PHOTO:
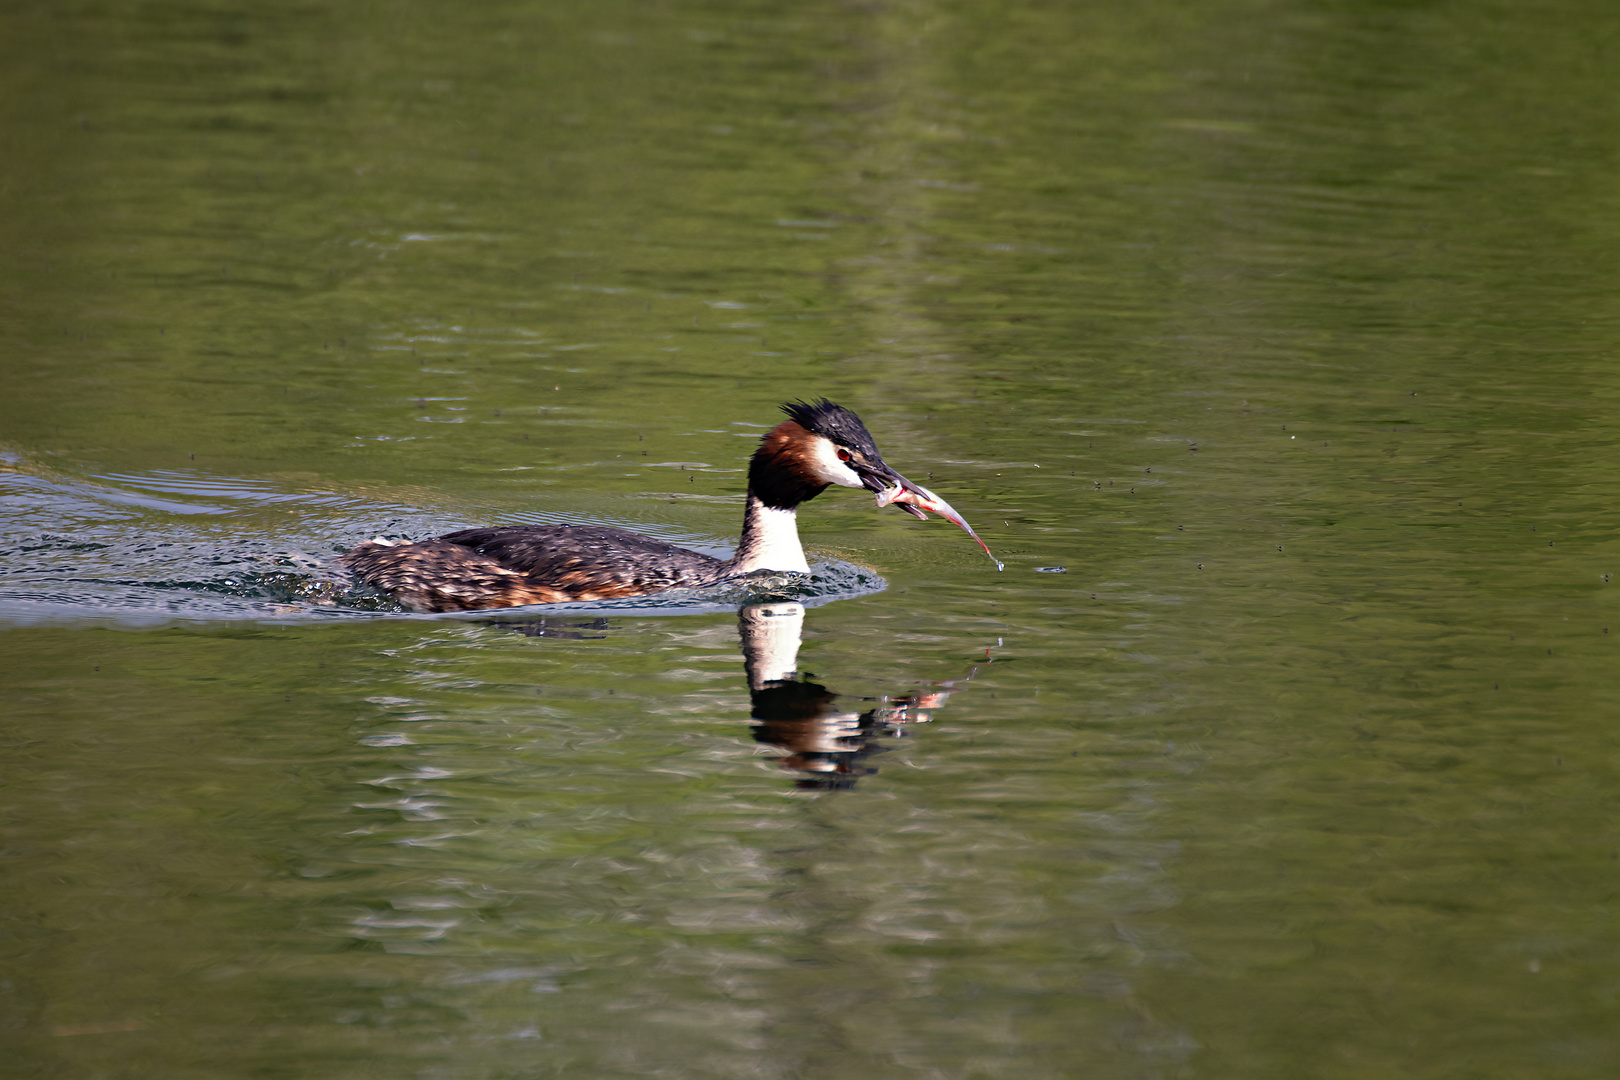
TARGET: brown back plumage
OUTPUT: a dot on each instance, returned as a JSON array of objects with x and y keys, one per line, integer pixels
[{"x": 477, "y": 569}]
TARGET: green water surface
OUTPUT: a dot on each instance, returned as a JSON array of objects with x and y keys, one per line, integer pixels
[{"x": 1273, "y": 345}]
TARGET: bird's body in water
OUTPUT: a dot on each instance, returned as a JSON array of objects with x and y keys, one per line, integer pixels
[{"x": 511, "y": 565}]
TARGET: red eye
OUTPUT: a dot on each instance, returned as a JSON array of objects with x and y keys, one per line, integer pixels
[{"x": 843, "y": 455}]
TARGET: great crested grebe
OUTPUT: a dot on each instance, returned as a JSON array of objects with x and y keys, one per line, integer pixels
[{"x": 510, "y": 565}]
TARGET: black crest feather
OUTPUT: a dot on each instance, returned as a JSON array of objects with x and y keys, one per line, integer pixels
[{"x": 835, "y": 422}]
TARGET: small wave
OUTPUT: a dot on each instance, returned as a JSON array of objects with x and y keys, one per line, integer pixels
[
  {"x": 293, "y": 596},
  {"x": 180, "y": 482}
]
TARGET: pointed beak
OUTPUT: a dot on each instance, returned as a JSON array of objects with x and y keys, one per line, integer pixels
[
  {"x": 878, "y": 477},
  {"x": 917, "y": 500}
]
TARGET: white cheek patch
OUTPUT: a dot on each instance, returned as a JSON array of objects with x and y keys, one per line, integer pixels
[{"x": 828, "y": 469}]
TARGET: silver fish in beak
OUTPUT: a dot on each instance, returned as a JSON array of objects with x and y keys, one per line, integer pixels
[{"x": 914, "y": 499}]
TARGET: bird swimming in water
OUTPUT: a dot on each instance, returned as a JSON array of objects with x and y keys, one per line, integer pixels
[{"x": 511, "y": 565}]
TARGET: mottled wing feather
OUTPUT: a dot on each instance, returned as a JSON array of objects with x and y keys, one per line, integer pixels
[
  {"x": 437, "y": 576},
  {"x": 478, "y": 569},
  {"x": 591, "y": 559}
]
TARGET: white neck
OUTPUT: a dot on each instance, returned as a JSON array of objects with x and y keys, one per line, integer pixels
[{"x": 770, "y": 540}]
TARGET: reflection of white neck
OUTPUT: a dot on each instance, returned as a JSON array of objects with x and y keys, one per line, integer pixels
[
  {"x": 770, "y": 641},
  {"x": 770, "y": 540}
]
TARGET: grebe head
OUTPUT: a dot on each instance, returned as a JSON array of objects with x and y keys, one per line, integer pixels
[
  {"x": 821, "y": 444},
  {"x": 839, "y": 449},
  {"x": 826, "y": 444}
]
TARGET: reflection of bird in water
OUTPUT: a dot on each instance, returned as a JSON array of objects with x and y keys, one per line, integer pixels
[
  {"x": 823, "y": 742},
  {"x": 505, "y": 566}
]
